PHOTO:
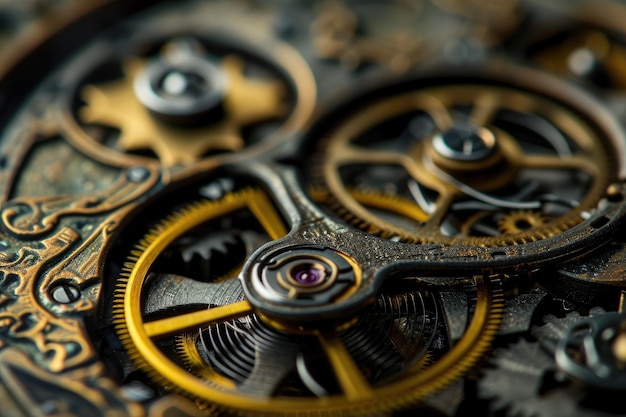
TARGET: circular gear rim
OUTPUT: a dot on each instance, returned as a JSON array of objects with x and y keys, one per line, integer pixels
[
  {"x": 545, "y": 89},
  {"x": 462, "y": 356}
]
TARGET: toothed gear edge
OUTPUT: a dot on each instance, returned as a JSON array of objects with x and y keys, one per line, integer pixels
[{"x": 410, "y": 389}]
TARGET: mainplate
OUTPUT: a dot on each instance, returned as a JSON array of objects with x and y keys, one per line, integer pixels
[{"x": 321, "y": 208}]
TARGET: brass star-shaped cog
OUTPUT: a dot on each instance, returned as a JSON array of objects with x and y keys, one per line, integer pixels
[
  {"x": 518, "y": 221},
  {"x": 247, "y": 101}
]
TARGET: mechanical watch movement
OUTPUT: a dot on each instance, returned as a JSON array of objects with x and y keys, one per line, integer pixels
[{"x": 315, "y": 208}]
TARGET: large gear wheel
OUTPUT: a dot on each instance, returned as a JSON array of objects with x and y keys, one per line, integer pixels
[
  {"x": 209, "y": 343},
  {"x": 458, "y": 146}
]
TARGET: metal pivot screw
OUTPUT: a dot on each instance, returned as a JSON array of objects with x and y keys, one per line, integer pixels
[
  {"x": 465, "y": 143},
  {"x": 65, "y": 293}
]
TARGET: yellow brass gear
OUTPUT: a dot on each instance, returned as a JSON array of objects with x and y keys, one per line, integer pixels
[
  {"x": 207, "y": 387},
  {"x": 519, "y": 221},
  {"x": 247, "y": 101},
  {"x": 449, "y": 178}
]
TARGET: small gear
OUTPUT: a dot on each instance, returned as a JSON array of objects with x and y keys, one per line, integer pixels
[
  {"x": 589, "y": 349},
  {"x": 518, "y": 377},
  {"x": 223, "y": 251},
  {"x": 519, "y": 221}
]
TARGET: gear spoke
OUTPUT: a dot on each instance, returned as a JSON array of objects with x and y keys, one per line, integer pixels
[
  {"x": 262, "y": 208},
  {"x": 579, "y": 163},
  {"x": 352, "y": 154},
  {"x": 176, "y": 324},
  {"x": 487, "y": 105},
  {"x": 440, "y": 208},
  {"x": 437, "y": 109},
  {"x": 350, "y": 378}
]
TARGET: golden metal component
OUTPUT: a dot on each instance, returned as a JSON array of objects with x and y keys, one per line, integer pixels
[
  {"x": 205, "y": 385},
  {"x": 446, "y": 177},
  {"x": 487, "y": 174},
  {"x": 353, "y": 384},
  {"x": 262, "y": 208},
  {"x": 520, "y": 221},
  {"x": 389, "y": 203},
  {"x": 137, "y": 335},
  {"x": 247, "y": 101},
  {"x": 172, "y": 325}
]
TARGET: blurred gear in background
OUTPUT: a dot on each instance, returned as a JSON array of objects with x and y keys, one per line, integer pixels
[{"x": 317, "y": 208}]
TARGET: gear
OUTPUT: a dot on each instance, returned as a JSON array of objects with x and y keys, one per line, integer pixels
[
  {"x": 119, "y": 104},
  {"x": 198, "y": 257},
  {"x": 204, "y": 340},
  {"x": 520, "y": 221},
  {"x": 185, "y": 103},
  {"x": 534, "y": 379},
  {"x": 465, "y": 145},
  {"x": 522, "y": 384}
]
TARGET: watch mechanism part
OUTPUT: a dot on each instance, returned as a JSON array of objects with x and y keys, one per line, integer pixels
[
  {"x": 485, "y": 161},
  {"x": 571, "y": 369},
  {"x": 325, "y": 208},
  {"x": 182, "y": 87},
  {"x": 191, "y": 97},
  {"x": 203, "y": 338},
  {"x": 200, "y": 336}
]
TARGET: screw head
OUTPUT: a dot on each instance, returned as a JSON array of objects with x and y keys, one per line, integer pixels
[
  {"x": 65, "y": 293},
  {"x": 465, "y": 143}
]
